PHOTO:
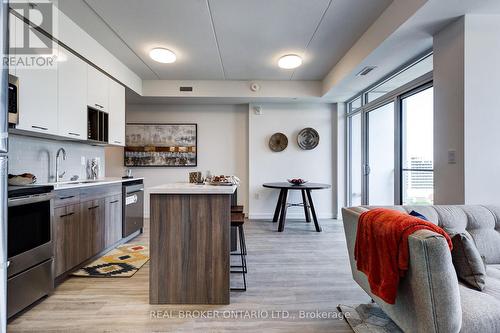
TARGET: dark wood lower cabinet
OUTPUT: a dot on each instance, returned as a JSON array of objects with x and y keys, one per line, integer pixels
[
  {"x": 67, "y": 234},
  {"x": 92, "y": 215},
  {"x": 86, "y": 227},
  {"x": 113, "y": 211}
]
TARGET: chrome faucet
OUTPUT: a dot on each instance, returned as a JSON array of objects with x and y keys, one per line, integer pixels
[{"x": 59, "y": 176}]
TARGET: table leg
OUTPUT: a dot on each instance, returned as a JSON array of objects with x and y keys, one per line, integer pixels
[
  {"x": 313, "y": 211},
  {"x": 306, "y": 208},
  {"x": 281, "y": 225},
  {"x": 278, "y": 207}
]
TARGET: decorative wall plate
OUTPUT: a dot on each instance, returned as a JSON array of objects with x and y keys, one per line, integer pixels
[
  {"x": 308, "y": 138},
  {"x": 278, "y": 142}
]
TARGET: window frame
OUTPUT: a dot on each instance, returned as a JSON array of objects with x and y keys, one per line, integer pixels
[{"x": 423, "y": 82}]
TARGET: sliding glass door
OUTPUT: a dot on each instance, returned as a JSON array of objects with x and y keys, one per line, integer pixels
[
  {"x": 417, "y": 174},
  {"x": 380, "y": 155}
]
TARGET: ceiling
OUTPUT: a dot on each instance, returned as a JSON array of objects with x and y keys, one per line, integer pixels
[{"x": 226, "y": 39}]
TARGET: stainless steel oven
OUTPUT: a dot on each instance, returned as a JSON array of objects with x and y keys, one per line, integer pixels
[{"x": 30, "y": 249}]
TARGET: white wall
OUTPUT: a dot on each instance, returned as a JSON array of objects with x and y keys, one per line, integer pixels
[
  {"x": 482, "y": 114},
  {"x": 318, "y": 165},
  {"x": 222, "y": 143},
  {"x": 466, "y": 82}
]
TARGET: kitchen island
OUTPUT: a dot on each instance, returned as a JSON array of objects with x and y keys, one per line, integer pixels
[{"x": 189, "y": 243}]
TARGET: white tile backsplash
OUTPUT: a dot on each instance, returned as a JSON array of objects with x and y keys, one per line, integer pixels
[{"x": 37, "y": 156}]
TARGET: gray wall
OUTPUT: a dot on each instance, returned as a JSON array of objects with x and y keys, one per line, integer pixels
[
  {"x": 37, "y": 156},
  {"x": 449, "y": 113}
]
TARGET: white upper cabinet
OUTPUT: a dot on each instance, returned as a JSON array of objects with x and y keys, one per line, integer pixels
[
  {"x": 116, "y": 114},
  {"x": 97, "y": 89},
  {"x": 54, "y": 100},
  {"x": 72, "y": 96},
  {"x": 37, "y": 94}
]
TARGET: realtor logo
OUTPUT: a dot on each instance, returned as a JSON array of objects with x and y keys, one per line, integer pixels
[{"x": 31, "y": 27}]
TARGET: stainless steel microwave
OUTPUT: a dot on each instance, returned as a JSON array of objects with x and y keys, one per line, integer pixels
[{"x": 13, "y": 100}]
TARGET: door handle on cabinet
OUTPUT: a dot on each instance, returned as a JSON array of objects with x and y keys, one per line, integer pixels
[
  {"x": 66, "y": 215},
  {"x": 93, "y": 207},
  {"x": 112, "y": 202},
  {"x": 74, "y": 134},
  {"x": 39, "y": 127},
  {"x": 68, "y": 197}
]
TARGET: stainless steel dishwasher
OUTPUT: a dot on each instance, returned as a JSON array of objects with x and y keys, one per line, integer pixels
[{"x": 133, "y": 206}]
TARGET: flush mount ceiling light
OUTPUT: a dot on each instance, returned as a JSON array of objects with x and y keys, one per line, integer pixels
[
  {"x": 162, "y": 55},
  {"x": 290, "y": 61}
]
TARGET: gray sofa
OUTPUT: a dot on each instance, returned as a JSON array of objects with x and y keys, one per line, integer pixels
[{"x": 430, "y": 297}]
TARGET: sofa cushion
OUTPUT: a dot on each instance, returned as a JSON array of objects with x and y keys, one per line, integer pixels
[
  {"x": 467, "y": 261},
  {"x": 428, "y": 211},
  {"x": 493, "y": 271},
  {"x": 480, "y": 311}
]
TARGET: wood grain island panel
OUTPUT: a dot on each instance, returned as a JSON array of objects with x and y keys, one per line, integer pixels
[{"x": 190, "y": 248}]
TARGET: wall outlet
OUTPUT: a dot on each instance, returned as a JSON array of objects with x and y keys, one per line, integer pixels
[
  {"x": 256, "y": 196},
  {"x": 452, "y": 156}
]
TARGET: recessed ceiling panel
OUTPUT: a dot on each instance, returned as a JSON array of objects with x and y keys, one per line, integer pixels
[
  {"x": 343, "y": 24},
  {"x": 182, "y": 26},
  {"x": 254, "y": 34}
]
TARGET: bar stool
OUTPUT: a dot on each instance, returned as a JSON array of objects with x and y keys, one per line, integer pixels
[{"x": 237, "y": 220}]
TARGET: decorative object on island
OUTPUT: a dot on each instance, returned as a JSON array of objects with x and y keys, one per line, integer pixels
[
  {"x": 297, "y": 181},
  {"x": 22, "y": 179},
  {"x": 195, "y": 177},
  {"x": 308, "y": 138},
  {"x": 161, "y": 145},
  {"x": 278, "y": 142},
  {"x": 223, "y": 180}
]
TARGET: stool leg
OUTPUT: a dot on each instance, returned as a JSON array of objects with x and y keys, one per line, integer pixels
[
  {"x": 243, "y": 263},
  {"x": 243, "y": 248},
  {"x": 243, "y": 259}
]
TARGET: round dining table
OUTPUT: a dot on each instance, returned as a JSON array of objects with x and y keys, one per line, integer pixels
[{"x": 307, "y": 201}]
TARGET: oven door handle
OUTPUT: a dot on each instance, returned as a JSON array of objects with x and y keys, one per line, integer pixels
[{"x": 29, "y": 199}]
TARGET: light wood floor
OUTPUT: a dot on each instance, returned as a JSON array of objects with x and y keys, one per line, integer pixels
[{"x": 297, "y": 270}]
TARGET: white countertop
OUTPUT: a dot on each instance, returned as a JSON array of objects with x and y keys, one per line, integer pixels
[
  {"x": 65, "y": 185},
  {"x": 187, "y": 188}
]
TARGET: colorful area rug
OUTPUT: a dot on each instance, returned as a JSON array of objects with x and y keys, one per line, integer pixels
[
  {"x": 368, "y": 318},
  {"x": 124, "y": 261}
]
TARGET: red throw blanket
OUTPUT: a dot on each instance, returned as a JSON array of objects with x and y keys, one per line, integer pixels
[{"x": 381, "y": 249}]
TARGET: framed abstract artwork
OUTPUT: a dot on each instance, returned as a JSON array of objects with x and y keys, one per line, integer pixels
[{"x": 161, "y": 145}]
